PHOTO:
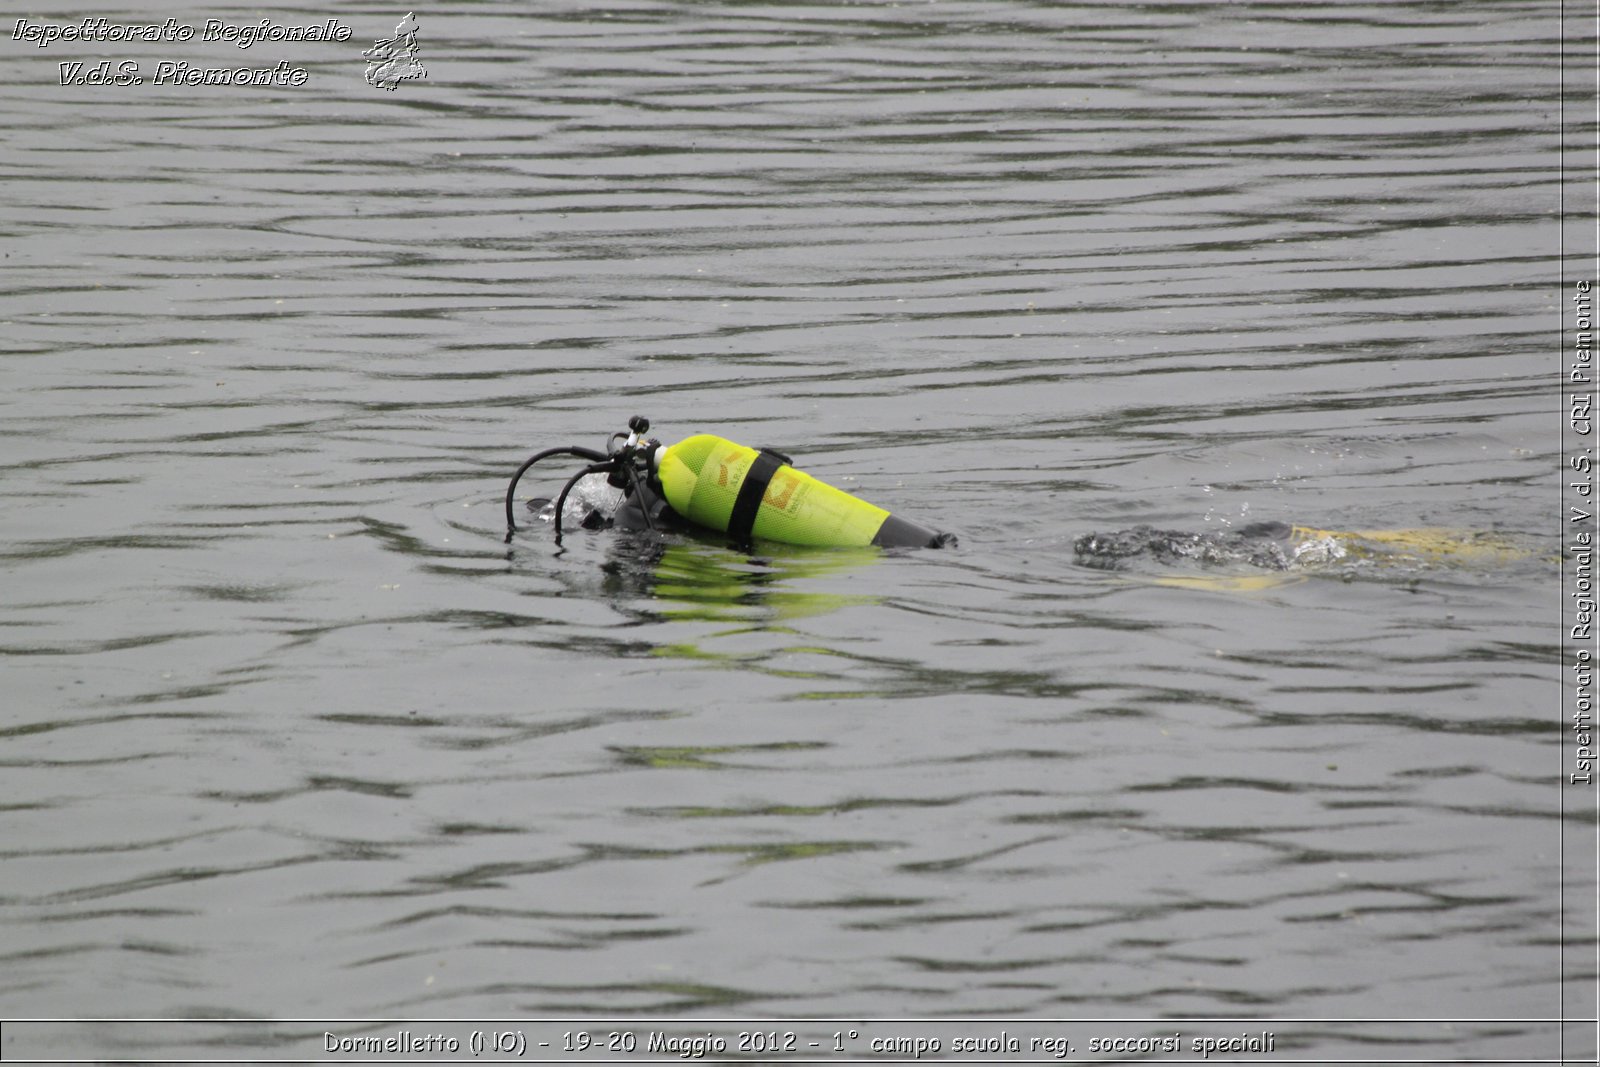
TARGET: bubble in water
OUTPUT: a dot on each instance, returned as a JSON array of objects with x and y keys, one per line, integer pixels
[
  {"x": 1319, "y": 550},
  {"x": 591, "y": 495}
]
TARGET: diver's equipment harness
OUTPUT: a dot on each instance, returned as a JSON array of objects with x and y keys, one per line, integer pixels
[{"x": 716, "y": 484}]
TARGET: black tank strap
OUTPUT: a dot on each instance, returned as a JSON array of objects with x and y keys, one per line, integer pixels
[{"x": 743, "y": 516}]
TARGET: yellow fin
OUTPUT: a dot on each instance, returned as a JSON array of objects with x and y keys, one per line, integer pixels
[{"x": 1427, "y": 543}]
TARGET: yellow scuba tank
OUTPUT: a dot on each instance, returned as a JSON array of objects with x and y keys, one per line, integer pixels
[{"x": 746, "y": 493}]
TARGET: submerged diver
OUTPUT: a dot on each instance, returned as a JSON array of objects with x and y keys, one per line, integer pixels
[
  {"x": 1282, "y": 546},
  {"x": 710, "y": 484}
]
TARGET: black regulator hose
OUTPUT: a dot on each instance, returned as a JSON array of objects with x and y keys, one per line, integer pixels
[
  {"x": 638, "y": 491},
  {"x": 511, "y": 492}
]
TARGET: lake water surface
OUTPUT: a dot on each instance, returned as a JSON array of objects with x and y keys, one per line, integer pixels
[{"x": 291, "y": 732}]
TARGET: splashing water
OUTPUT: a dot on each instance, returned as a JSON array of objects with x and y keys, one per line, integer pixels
[
  {"x": 591, "y": 504},
  {"x": 1263, "y": 544}
]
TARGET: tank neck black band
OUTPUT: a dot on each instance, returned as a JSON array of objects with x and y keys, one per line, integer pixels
[{"x": 742, "y": 519}]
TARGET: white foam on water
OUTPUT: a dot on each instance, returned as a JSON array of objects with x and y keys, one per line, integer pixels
[{"x": 591, "y": 493}]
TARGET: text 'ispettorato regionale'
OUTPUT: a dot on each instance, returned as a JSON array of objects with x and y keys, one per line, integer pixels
[{"x": 243, "y": 34}]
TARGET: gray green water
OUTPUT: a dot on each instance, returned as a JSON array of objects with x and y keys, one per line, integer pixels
[{"x": 291, "y": 732}]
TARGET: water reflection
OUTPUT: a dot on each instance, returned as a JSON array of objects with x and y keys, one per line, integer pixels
[{"x": 697, "y": 582}]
